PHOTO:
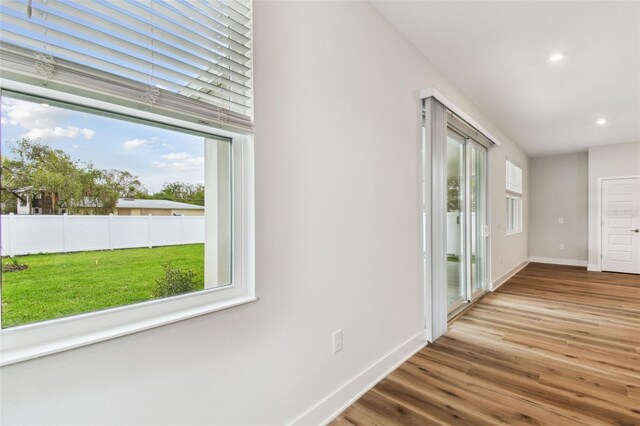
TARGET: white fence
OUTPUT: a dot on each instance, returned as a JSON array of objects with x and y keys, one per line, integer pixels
[
  {"x": 454, "y": 236},
  {"x": 31, "y": 234}
]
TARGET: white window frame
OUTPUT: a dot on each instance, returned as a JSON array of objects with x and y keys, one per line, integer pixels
[
  {"x": 514, "y": 201},
  {"x": 514, "y": 206},
  {"x": 34, "y": 340}
]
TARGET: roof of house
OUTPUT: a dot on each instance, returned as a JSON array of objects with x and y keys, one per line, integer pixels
[
  {"x": 24, "y": 189},
  {"x": 131, "y": 203}
]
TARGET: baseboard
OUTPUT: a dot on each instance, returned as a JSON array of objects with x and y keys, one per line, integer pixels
[
  {"x": 335, "y": 403},
  {"x": 553, "y": 261},
  {"x": 593, "y": 267},
  {"x": 505, "y": 277}
]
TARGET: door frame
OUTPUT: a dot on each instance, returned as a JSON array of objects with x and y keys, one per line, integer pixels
[
  {"x": 599, "y": 216},
  {"x": 432, "y": 208}
]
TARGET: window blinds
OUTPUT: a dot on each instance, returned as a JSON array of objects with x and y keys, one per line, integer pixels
[
  {"x": 190, "y": 59},
  {"x": 514, "y": 179}
]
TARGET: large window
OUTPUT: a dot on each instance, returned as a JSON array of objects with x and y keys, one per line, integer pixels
[
  {"x": 514, "y": 198},
  {"x": 99, "y": 212},
  {"x": 127, "y": 168}
]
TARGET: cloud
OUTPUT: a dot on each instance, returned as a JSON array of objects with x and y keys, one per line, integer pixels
[
  {"x": 41, "y": 120},
  {"x": 186, "y": 162},
  {"x": 176, "y": 156},
  {"x": 59, "y": 133},
  {"x": 135, "y": 143}
]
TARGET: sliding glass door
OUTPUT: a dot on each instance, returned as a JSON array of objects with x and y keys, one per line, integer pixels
[{"x": 466, "y": 219}]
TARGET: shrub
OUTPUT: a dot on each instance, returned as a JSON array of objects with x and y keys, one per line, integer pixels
[{"x": 174, "y": 281}]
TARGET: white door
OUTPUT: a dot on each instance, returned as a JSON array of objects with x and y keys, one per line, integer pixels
[{"x": 621, "y": 225}]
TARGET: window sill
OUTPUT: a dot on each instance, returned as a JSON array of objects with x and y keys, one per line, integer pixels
[
  {"x": 508, "y": 234},
  {"x": 26, "y": 342}
]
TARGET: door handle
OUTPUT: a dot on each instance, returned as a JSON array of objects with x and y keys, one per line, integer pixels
[{"x": 635, "y": 230}]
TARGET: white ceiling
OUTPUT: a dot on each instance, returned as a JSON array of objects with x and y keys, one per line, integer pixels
[{"x": 497, "y": 54}]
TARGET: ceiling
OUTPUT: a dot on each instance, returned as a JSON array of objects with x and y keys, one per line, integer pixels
[{"x": 497, "y": 54}]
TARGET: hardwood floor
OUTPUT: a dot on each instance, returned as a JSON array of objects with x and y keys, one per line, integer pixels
[{"x": 555, "y": 345}]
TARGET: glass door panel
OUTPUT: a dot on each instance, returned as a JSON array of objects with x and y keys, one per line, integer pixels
[
  {"x": 477, "y": 199},
  {"x": 456, "y": 259}
]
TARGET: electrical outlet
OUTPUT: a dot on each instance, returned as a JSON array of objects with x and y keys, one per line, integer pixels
[
  {"x": 561, "y": 246},
  {"x": 337, "y": 341}
]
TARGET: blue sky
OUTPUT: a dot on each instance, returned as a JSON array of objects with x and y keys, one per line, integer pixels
[{"x": 155, "y": 155}]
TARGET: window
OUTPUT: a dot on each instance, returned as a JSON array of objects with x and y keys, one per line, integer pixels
[
  {"x": 514, "y": 198},
  {"x": 128, "y": 126},
  {"x": 124, "y": 207}
]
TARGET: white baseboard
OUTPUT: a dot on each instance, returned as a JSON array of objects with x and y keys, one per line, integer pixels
[
  {"x": 553, "y": 261},
  {"x": 505, "y": 277},
  {"x": 594, "y": 267},
  {"x": 336, "y": 402}
]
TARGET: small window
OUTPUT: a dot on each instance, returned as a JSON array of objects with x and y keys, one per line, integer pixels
[{"x": 514, "y": 198}]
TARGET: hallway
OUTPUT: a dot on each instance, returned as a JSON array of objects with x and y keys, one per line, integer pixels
[{"x": 554, "y": 345}]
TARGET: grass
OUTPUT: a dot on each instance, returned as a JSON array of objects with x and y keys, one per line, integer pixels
[
  {"x": 452, "y": 258},
  {"x": 58, "y": 285}
]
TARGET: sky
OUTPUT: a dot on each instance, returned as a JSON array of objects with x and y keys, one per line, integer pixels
[{"x": 155, "y": 155}]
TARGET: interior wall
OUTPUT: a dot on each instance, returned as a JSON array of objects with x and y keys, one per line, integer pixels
[
  {"x": 607, "y": 161},
  {"x": 559, "y": 193},
  {"x": 337, "y": 120}
]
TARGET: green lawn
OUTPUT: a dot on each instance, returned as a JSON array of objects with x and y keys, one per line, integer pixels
[{"x": 57, "y": 285}]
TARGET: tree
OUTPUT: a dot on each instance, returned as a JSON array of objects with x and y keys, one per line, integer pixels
[
  {"x": 181, "y": 191},
  {"x": 127, "y": 184},
  {"x": 74, "y": 186},
  {"x": 453, "y": 194},
  {"x": 8, "y": 199}
]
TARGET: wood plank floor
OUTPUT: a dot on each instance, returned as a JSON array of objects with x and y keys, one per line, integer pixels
[{"x": 555, "y": 345}]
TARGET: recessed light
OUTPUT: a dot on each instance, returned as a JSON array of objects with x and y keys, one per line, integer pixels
[
  {"x": 601, "y": 121},
  {"x": 557, "y": 56}
]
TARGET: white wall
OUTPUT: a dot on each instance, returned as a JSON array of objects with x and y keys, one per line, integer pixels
[
  {"x": 559, "y": 189},
  {"x": 337, "y": 213},
  {"x": 607, "y": 161}
]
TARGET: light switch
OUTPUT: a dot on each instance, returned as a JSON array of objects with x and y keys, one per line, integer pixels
[{"x": 561, "y": 220}]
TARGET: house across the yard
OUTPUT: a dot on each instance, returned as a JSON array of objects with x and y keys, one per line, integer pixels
[
  {"x": 33, "y": 201},
  {"x": 41, "y": 203},
  {"x": 138, "y": 207}
]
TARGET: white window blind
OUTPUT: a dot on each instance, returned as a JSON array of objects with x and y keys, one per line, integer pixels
[
  {"x": 189, "y": 59},
  {"x": 514, "y": 178}
]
